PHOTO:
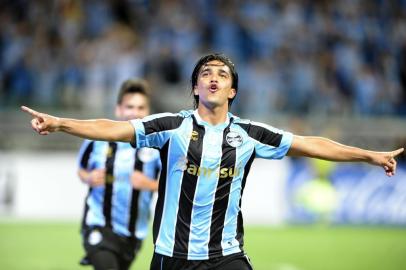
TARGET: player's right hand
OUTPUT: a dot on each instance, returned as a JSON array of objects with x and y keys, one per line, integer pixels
[
  {"x": 41, "y": 122},
  {"x": 97, "y": 177}
]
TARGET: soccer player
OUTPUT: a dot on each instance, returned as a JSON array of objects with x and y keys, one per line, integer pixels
[
  {"x": 121, "y": 180},
  {"x": 206, "y": 156}
]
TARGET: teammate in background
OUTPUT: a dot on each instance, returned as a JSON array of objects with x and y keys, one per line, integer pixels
[
  {"x": 206, "y": 156},
  {"x": 121, "y": 180}
]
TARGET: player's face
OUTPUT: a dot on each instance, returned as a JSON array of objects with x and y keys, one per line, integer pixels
[
  {"x": 132, "y": 106},
  {"x": 214, "y": 84}
]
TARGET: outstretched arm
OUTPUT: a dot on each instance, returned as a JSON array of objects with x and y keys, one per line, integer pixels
[
  {"x": 98, "y": 129},
  {"x": 323, "y": 148}
]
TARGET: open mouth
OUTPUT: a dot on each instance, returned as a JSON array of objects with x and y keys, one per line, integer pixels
[{"x": 213, "y": 88}]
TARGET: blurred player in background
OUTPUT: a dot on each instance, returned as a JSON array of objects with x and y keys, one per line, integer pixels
[
  {"x": 206, "y": 157},
  {"x": 121, "y": 180}
]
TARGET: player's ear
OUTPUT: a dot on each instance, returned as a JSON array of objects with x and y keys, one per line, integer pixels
[
  {"x": 195, "y": 91},
  {"x": 232, "y": 93}
]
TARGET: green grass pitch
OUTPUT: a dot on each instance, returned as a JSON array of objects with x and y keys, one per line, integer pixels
[{"x": 57, "y": 246}]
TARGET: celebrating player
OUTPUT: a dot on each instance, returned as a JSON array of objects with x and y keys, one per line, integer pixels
[
  {"x": 206, "y": 156},
  {"x": 121, "y": 180}
]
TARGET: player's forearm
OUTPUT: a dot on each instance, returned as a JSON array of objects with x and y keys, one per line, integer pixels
[
  {"x": 149, "y": 185},
  {"x": 84, "y": 176},
  {"x": 323, "y": 148},
  {"x": 142, "y": 182},
  {"x": 98, "y": 129}
]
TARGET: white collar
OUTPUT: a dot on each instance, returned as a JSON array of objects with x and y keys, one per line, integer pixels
[{"x": 200, "y": 121}]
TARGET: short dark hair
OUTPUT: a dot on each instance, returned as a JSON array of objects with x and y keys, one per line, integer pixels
[
  {"x": 133, "y": 86},
  {"x": 212, "y": 57}
]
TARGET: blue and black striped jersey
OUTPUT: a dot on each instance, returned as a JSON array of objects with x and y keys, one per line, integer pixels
[
  {"x": 204, "y": 170},
  {"x": 117, "y": 204}
]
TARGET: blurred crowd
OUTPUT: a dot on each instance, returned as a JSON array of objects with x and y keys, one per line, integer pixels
[{"x": 326, "y": 57}]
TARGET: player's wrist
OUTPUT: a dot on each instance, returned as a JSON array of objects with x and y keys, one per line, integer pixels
[
  {"x": 369, "y": 157},
  {"x": 61, "y": 124}
]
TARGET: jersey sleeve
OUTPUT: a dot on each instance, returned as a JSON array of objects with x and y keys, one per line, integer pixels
[
  {"x": 270, "y": 143},
  {"x": 155, "y": 130}
]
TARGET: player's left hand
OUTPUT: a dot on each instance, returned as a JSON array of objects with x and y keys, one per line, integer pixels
[{"x": 386, "y": 160}]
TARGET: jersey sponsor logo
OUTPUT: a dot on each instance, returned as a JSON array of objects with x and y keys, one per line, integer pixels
[
  {"x": 94, "y": 238},
  {"x": 183, "y": 165},
  {"x": 234, "y": 139},
  {"x": 219, "y": 173}
]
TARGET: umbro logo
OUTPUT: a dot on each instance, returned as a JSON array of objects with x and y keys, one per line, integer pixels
[{"x": 194, "y": 136}]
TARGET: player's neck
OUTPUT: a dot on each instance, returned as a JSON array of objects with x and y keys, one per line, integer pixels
[{"x": 213, "y": 116}]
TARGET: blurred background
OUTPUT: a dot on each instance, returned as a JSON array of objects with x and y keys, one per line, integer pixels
[{"x": 329, "y": 68}]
